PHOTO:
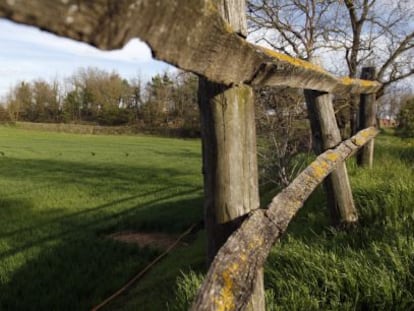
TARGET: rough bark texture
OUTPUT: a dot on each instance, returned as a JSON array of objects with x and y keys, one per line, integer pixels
[
  {"x": 193, "y": 36},
  {"x": 353, "y": 113},
  {"x": 229, "y": 282},
  {"x": 326, "y": 135},
  {"x": 229, "y": 155},
  {"x": 367, "y": 118},
  {"x": 229, "y": 158},
  {"x": 236, "y": 20},
  {"x": 188, "y": 34}
]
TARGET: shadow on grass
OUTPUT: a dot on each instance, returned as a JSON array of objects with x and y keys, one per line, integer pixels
[
  {"x": 66, "y": 217},
  {"x": 104, "y": 176},
  {"x": 64, "y": 260},
  {"x": 80, "y": 268},
  {"x": 166, "y": 220},
  {"x": 182, "y": 154}
]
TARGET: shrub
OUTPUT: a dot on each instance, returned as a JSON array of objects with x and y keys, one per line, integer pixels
[
  {"x": 4, "y": 115},
  {"x": 284, "y": 135},
  {"x": 406, "y": 119}
]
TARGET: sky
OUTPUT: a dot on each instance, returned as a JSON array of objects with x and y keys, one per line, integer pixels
[{"x": 27, "y": 53}]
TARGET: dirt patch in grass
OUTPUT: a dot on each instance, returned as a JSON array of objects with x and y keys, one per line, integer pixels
[{"x": 144, "y": 239}]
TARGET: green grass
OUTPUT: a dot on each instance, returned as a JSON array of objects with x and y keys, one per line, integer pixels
[
  {"x": 370, "y": 267},
  {"x": 61, "y": 194}
]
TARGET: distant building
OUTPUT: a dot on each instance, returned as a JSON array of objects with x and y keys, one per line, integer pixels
[{"x": 387, "y": 121}]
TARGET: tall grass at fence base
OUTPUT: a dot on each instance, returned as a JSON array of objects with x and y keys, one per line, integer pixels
[{"x": 369, "y": 267}]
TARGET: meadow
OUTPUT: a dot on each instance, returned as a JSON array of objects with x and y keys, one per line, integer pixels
[
  {"x": 61, "y": 195},
  {"x": 367, "y": 267}
]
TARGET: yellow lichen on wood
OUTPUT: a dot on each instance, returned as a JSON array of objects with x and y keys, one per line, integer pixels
[
  {"x": 319, "y": 169},
  {"x": 360, "y": 82},
  {"x": 332, "y": 156},
  {"x": 243, "y": 258},
  {"x": 294, "y": 61},
  {"x": 225, "y": 302},
  {"x": 255, "y": 242},
  {"x": 359, "y": 141},
  {"x": 362, "y": 137}
]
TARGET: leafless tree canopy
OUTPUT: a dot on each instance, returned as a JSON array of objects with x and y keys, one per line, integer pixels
[
  {"x": 295, "y": 27},
  {"x": 363, "y": 32}
]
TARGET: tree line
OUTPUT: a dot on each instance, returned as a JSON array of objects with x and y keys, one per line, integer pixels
[{"x": 95, "y": 96}]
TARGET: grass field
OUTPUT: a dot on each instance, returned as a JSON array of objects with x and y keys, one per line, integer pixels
[
  {"x": 369, "y": 267},
  {"x": 61, "y": 194}
]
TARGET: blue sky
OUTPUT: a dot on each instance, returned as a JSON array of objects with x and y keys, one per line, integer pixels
[{"x": 26, "y": 53}]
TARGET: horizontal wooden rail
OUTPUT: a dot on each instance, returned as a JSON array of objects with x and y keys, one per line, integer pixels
[
  {"x": 188, "y": 34},
  {"x": 229, "y": 281}
]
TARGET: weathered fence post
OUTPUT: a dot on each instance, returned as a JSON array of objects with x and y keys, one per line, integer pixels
[
  {"x": 326, "y": 135},
  {"x": 229, "y": 159},
  {"x": 228, "y": 283},
  {"x": 367, "y": 118},
  {"x": 229, "y": 154}
]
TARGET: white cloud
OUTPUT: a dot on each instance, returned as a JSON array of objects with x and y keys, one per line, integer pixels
[
  {"x": 27, "y": 53},
  {"x": 135, "y": 50}
]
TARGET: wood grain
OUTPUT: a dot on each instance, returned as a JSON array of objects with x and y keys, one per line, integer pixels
[{"x": 230, "y": 280}]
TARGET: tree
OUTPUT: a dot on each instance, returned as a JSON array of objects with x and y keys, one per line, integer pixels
[
  {"x": 98, "y": 96},
  {"x": 72, "y": 107},
  {"x": 38, "y": 101},
  {"x": 295, "y": 27},
  {"x": 184, "y": 96},
  {"x": 19, "y": 102},
  {"x": 381, "y": 34},
  {"x": 46, "y": 102},
  {"x": 4, "y": 114},
  {"x": 159, "y": 100},
  {"x": 135, "y": 102},
  {"x": 406, "y": 118},
  {"x": 375, "y": 32}
]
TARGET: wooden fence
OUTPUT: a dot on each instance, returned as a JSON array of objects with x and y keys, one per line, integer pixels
[{"x": 207, "y": 37}]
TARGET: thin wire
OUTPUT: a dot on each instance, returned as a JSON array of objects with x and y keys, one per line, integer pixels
[{"x": 145, "y": 270}]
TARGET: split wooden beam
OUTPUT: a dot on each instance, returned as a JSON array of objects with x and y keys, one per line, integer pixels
[
  {"x": 230, "y": 169},
  {"x": 230, "y": 280},
  {"x": 326, "y": 135},
  {"x": 231, "y": 189},
  {"x": 191, "y": 35}
]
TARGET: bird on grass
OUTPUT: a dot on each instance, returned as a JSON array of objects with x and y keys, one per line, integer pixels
[{"x": 93, "y": 153}]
